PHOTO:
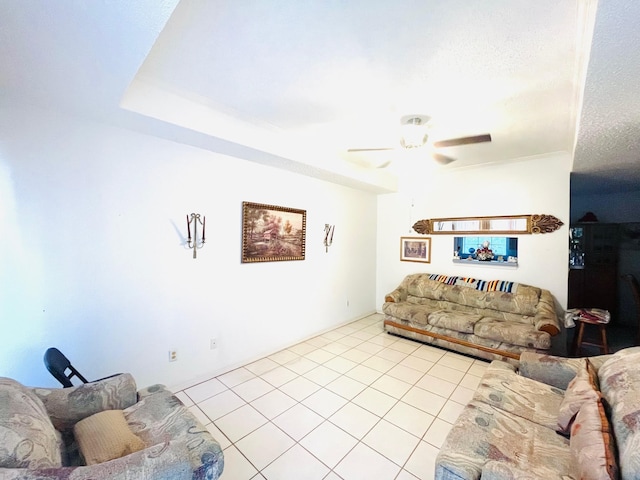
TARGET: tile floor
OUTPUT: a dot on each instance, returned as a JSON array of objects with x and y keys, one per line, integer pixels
[{"x": 353, "y": 403}]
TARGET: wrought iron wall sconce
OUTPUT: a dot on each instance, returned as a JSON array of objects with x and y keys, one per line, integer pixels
[
  {"x": 195, "y": 242},
  {"x": 328, "y": 235}
]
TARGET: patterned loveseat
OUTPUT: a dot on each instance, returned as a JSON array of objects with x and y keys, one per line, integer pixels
[
  {"x": 557, "y": 418},
  {"x": 489, "y": 319},
  {"x": 102, "y": 430}
]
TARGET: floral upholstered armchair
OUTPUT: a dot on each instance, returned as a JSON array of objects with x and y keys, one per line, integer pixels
[{"x": 105, "y": 429}]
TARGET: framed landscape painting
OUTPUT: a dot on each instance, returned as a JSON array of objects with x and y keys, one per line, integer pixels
[
  {"x": 415, "y": 249},
  {"x": 272, "y": 234}
]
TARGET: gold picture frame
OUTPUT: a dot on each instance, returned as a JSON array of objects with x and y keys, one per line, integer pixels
[
  {"x": 415, "y": 249},
  {"x": 272, "y": 234}
]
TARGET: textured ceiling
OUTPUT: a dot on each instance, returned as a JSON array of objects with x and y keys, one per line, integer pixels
[{"x": 295, "y": 84}]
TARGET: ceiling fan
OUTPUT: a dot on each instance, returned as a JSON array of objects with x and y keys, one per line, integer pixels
[{"x": 414, "y": 134}]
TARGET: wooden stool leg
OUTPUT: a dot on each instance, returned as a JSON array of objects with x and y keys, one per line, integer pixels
[
  {"x": 603, "y": 334},
  {"x": 577, "y": 341}
]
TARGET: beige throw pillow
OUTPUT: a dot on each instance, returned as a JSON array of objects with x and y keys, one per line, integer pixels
[
  {"x": 581, "y": 389},
  {"x": 105, "y": 436}
]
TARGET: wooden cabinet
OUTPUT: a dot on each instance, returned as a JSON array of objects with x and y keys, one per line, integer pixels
[{"x": 593, "y": 260}]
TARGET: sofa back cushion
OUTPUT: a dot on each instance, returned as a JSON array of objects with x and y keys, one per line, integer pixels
[
  {"x": 27, "y": 436},
  {"x": 523, "y": 302},
  {"x": 620, "y": 387}
]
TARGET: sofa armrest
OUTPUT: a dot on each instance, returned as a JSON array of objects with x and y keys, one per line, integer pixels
[
  {"x": 546, "y": 319},
  {"x": 167, "y": 461},
  {"x": 67, "y": 406},
  {"x": 552, "y": 370},
  {"x": 398, "y": 295}
]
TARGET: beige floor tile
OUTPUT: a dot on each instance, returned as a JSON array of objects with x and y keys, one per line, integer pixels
[
  {"x": 369, "y": 347},
  {"x": 301, "y": 365},
  {"x": 365, "y": 463},
  {"x": 236, "y": 377},
  {"x": 406, "y": 374},
  {"x": 378, "y": 363},
  {"x": 336, "y": 348},
  {"x": 375, "y": 401},
  {"x": 391, "y": 354},
  {"x": 357, "y": 356},
  {"x": 329, "y": 443},
  {"x": 346, "y": 387},
  {"x": 240, "y": 422},
  {"x": 462, "y": 395},
  {"x": 302, "y": 348},
  {"x": 437, "y": 432},
  {"x": 410, "y": 418},
  {"x": 391, "y": 386},
  {"x": 340, "y": 365},
  {"x": 450, "y": 411},
  {"x": 424, "y": 400},
  {"x": 354, "y": 420},
  {"x": 300, "y": 388},
  {"x": 363, "y": 374},
  {"x": 204, "y": 390},
  {"x": 417, "y": 363},
  {"x": 273, "y": 404},
  {"x": 264, "y": 445},
  {"x": 446, "y": 373},
  {"x": 284, "y": 356},
  {"x": 436, "y": 385},
  {"x": 298, "y": 421},
  {"x": 218, "y": 435},
  {"x": 261, "y": 366},
  {"x": 279, "y": 376},
  {"x": 392, "y": 442},
  {"x": 252, "y": 389},
  {"x": 295, "y": 464},
  {"x": 319, "y": 356},
  {"x": 221, "y": 404},
  {"x": 236, "y": 466},
  {"x": 422, "y": 461},
  {"x": 325, "y": 402},
  {"x": 322, "y": 375}
]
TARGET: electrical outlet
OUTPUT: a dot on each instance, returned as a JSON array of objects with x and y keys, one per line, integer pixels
[
  {"x": 213, "y": 343},
  {"x": 173, "y": 355}
]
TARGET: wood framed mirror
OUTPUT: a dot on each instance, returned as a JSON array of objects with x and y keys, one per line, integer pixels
[{"x": 507, "y": 224}]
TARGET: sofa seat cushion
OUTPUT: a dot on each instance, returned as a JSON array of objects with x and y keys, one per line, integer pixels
[
  {"x": 515, "y": 333},
  {"x": 620, "y": 387},
  {"x": 483, "y": 433},
  {"x": 457, "y": 321},
  {"x": 412, "y": 312},
  {"x": 105, "y": 436},
  {"x": 27, "y": 436},
  {"x": 501, "y": 387}
]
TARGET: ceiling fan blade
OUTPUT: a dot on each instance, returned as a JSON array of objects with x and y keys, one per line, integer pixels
[
  {"x": 453, "y": 142},
  {"x": 369, "y": 149},
  {"x": 442, "y": 159}
]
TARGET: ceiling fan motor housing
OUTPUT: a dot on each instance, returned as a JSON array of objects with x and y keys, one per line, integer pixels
[{"x": 414, "y": 132}]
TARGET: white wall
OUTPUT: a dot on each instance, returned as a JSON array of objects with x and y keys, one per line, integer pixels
[
  {"x": 533, "y": 186},
  {"x": 92, "y": 222}
]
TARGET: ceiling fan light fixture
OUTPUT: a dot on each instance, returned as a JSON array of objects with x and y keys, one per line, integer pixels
[{"x": 413, "y": 131}]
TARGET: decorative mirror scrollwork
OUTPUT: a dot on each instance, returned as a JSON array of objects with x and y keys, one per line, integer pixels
[{"x": 509, "y": 224}]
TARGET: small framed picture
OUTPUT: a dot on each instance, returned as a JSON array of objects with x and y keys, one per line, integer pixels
[{"x": 415, "y": 249}]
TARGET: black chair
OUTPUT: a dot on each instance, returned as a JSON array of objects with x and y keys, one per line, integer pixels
[{"x": 58, "y": 365}]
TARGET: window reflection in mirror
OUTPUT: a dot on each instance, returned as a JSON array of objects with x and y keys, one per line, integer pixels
[{"x": 501, "y": 247}]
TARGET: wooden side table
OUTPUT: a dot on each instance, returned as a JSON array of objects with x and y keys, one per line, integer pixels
[{"x": 589, "y": 316}]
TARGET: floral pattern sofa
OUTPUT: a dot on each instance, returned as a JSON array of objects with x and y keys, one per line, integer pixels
[
  {"x": 489, "y": 319},
  {"x": 556, "y": 418},
  {"x": 74, "y": 434}
]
